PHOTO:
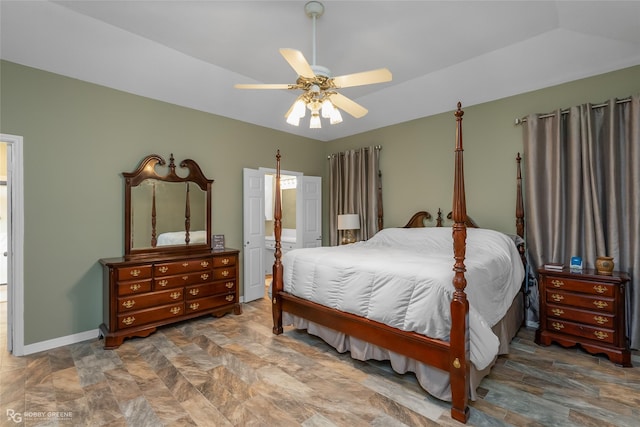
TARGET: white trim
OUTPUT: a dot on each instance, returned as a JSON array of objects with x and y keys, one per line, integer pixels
[
  {"x": 16, "y": 250},
  {"x": 60, "y": 342}
]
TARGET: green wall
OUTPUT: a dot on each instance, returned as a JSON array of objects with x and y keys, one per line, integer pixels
[{"x": 79, "y": 137}]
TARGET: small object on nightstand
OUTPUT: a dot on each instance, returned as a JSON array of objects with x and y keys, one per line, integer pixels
[
  {"x": 555, "y": 266},
  {"x": 576, "y": 264}
]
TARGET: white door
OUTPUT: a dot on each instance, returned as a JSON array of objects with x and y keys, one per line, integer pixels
[
  {"x": 312, "y": 208},
  {"x": 253, "y": 234}
]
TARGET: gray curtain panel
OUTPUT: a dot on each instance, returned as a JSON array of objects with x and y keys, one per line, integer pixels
[
  {"x": 582, "y": 190},
  {"x": 353, "y": 188}
]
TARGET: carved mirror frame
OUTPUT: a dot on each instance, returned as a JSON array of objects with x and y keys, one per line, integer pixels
[{"x": 146, "y": 170}]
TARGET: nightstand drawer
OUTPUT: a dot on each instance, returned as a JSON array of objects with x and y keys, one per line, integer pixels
[
  {"x": 603, "y": 320},
  {"x": 597, "y": 334},
  {"x": 561, "y": 283},
  {"x": 589, "y": 302}
]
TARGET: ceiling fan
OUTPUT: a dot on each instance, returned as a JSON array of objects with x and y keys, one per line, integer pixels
[{"x": 319, "y": 88}]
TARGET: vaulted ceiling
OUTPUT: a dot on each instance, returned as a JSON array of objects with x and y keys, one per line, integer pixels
[{"x": 191, "y": 53}]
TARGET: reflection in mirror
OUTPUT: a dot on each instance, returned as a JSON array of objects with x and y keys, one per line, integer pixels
[
  {"x": 288, "y": 185},
  {"x": 171, "y": 212}
]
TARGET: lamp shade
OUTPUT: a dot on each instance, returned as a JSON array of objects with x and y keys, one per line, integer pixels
[{"x": 348, "y": 222}]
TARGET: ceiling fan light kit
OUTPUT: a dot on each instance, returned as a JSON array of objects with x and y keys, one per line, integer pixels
[{"x": 319, "y": 88}]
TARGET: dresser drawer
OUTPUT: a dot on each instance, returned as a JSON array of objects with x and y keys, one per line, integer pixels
[
  {"x": 133, "y": 273},
  {"x": 137, "y": 302},
  {"x": 596, "y": 334},
  {"x": 134, "y": 287},
  {"x": 561, "y": 283},
  {"x": 603, "y": 320},
  {"x": 166, "y": 282},
  {"x": 224, "y": 273},
  {"x": 589, "y": 302},
  {"x": 142, "y": 317},
  {"x": 224, "y": 261},
  {"x": 185, "y": 266},
  {"x": 199, "y": 304},
  {"x": 208, "y": 289}
]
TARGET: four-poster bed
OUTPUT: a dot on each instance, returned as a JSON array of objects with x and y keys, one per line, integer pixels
[{"x": 417, "y": 344}]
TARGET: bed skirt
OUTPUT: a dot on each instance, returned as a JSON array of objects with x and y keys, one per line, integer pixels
[{"x": 433, "y": 380}]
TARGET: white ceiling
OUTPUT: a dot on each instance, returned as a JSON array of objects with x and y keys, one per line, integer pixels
[{"x": 191, "y": 53}]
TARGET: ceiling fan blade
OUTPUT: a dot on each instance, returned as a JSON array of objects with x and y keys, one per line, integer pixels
[
  {"x": 380, "y": 75},
  {"x": 346, "y": 104},
  {"x": 262, "y": 86},
  {"x": 296, "y": 59}
]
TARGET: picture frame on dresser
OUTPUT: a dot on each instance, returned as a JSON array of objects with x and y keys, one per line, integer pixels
[
  {"x": 587, "y": 309},
  {"x": 169, "y": 271}
]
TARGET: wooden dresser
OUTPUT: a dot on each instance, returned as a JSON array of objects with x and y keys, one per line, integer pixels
[
  {"x": 141, "y": 294},
  {"x": 587, "y": 309}
]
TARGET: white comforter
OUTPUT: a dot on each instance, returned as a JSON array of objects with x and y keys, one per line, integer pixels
[
  {"x": 178, "y": 237},
  {"x": 403, "y": 278}
]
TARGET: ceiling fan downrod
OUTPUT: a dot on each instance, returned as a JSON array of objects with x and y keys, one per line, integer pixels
[{"x": 313, "y": 9}]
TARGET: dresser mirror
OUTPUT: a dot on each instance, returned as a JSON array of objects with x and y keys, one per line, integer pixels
[{"x": 167, "y": 210}]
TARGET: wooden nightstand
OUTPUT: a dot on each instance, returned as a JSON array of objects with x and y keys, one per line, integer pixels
[{"x": 584, "y": 308}]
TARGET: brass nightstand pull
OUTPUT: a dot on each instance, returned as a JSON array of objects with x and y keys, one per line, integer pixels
[
  {"x": 204, "y": 264},
  {"x": 229, "y": 297},
  {"x": 600, "y": 289},
  {"x": 557, "y": 312},
  {"x": 163, "y": 283},
  {"x": 194, "y": 306},
  {"x": 135, "y": 287},
  {"x": 225, "y": 261},
  {"x": 229, "y": 285},
  {"x": 175, "y": 310},
  {"x": 134, "y": 273},
  {"x": 194, "y": 292},
  {"x": 557, "y": 283},
  {"x": 185, "y": 264},
  {"x": 600, "y": 320},
  {"x": 600, "y": 335},
  {"x": 185, "y": 277},
  {"x": 225, "y": 273},
  {"x": 204, "y": 276},
  {"x": 557, "y": 326},
  {"x": 128, "y": 303},
  {"x": 175, "y": 295},
  {"x": 557, "y": 297},
  {"x": 163, "y": 269},
  {"x": 600, "y": 304},
  {"x": 129, "y": 320}
]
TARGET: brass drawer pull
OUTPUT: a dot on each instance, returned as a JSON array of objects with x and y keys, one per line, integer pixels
[
  {"x": 600, "y": 304},
  {"x": 229, "y": 297},
  {"x": 163, "y": 269},
  {"x": 134, "y": 273},
  {"x": 600, "y": 289},
  {"x": 128, "y": 320},
  {"x": 175, "y": 310},
  {"x": 558, "y": 312},
  {"x": 194, "y": 292},
  {"x": 600, "y": 335},
  {"x": 194, "y": 306},
  {"x": 129, "y": 303},
  {"x": 204, "y": 264},
  {"x": 600, "y": 320},
  {"x": 135, "y": 287},
  {"x": 204, "y": 276},
  {"x": 163, "y": 283},
  {"x": 175, "y": 295},
  {"x": 229, "y": 285},
  {"x": 557, "y": 326},
  {"x": 225, "y": 273},
  {"x": 185, "y": 277},
  {"x": 557, "y": 297},
  {"x": 185, "y": 264},
  {"x": 225, "y": 261},
  {"x": 557, "y": 283}
]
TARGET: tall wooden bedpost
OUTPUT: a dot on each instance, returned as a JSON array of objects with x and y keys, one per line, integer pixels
[
  {"x": 519, "y": 203},
  {"x": 459, "y": 336},
  {"x": 276, "y": 284}
]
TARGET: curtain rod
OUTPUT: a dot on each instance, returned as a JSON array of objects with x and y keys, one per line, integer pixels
[
  {"x": 376, "y": 147},
  {"x": 593, "y": 107}
]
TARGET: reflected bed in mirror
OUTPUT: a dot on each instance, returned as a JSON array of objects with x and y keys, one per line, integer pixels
[{"x": 165, "y": 210}]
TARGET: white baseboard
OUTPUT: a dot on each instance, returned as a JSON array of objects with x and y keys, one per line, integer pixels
[{"x": 59, "y": 342}]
